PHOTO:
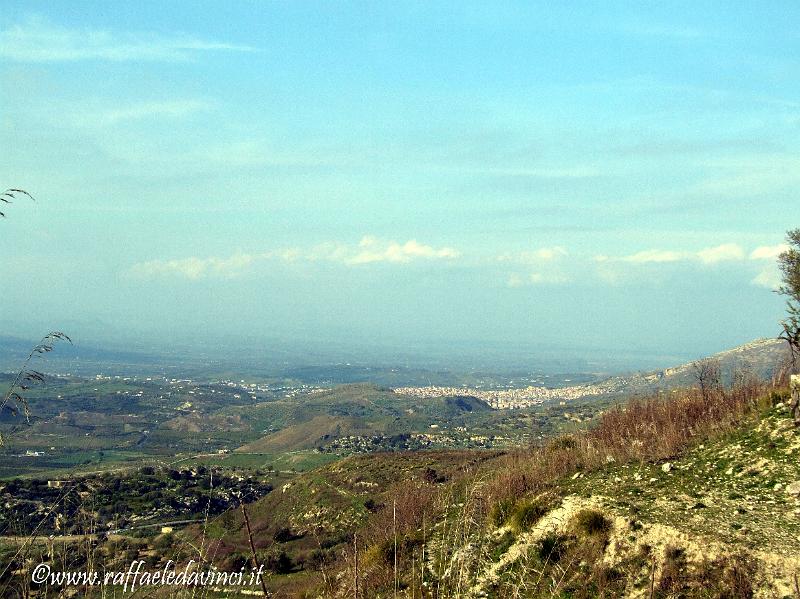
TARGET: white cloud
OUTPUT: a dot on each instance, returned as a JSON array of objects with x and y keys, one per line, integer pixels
[
  {"x": 547, "y": 264},
  {"x": 769, "y": 276},
  {"x": 721, "y": 253},
  {"x": 647, "y": 256},
  {"x": 713, "y": 255},
  {"x": 195, "y": 268},
  {"x": 515, "y": 280},
  {"x": 40, "y": 41},
  {"x": 609, "y": 273},
  {"x": 369, "y": 250},
  {"x": 544, "y": 254},
  {"x": 768, "y": 252},
  {"x": 614, "y": 270},
  {"x": 372, "y": 249},
  {"x": 550, "y": 253}
]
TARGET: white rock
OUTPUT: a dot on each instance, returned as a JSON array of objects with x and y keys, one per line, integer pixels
[
  {"x": 666, "y": 467},
  {"x": 793, "y": 488}
]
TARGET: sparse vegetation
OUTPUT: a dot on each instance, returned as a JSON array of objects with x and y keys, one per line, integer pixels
[
  {"x": 26, "y": 377},
  {"x": 633, "y": 455}
]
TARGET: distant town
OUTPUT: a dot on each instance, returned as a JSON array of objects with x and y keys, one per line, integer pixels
[{"x": 506, "y": 399}]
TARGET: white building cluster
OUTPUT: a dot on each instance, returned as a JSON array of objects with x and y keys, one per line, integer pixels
[{"x": 505, "y": 399}]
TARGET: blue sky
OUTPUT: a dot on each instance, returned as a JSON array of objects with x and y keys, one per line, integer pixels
[{"x": 616, "y": 176}]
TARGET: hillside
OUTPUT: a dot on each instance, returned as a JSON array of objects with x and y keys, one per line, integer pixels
[
  {"x": 324, "y": 416},
  {"x": 309, "y": 521},
  {"x": 723, "y": 515},
  {"x": 689, "y": 496},
  {"x": 758, "y": 358}
]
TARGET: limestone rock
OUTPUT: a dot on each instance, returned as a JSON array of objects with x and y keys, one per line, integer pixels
[{"x": 793, "y": 488}]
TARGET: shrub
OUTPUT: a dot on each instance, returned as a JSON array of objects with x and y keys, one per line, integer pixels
[
  {"x": 316, "y": 558},
  {"x": 371, "y": 506},
  {"x": 528, "y": 513},
  {"x": 502, "y": 545},
  {"x": 236, "y": 560},
  {"x": 592, "y": 522},
  {"x": 737, "y": 579},
  {"x": 674, "y": 573},
  {"x": 552, "y": 547},
  {"x": 563, "y": 442},
  {"x": 164, "y": 541},
  {"x": 278, "y": 562},
  {"x": 500, "y": 512},
  {"x": 284, "y": 535},
  {"x": 380, "y": 554}
]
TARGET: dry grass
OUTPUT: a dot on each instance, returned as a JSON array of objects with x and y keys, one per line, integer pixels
[
  {"x": 26, "y": 377},
  {"x": 9, "y": 195},
  {"x": 644, "y": 429},
  {"x": 465, "y": 511}
]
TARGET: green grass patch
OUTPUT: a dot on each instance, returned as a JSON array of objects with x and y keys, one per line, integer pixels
[
  {"x": 502, "y": 545},
  {"x": 528, "y": 513}
]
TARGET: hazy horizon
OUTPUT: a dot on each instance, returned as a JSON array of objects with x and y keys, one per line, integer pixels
[{"x": 609, "y": 178}]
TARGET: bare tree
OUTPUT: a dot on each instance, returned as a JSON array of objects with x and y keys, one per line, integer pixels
[
  {"x": 789, "y": 263},
  {"x": 708, "y": 374}
]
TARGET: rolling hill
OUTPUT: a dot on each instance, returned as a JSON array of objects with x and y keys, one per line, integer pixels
[{"x": 356, "y": 410}]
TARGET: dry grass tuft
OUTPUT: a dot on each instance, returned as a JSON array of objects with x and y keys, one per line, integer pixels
[
  {"x": 14, "y": 399},
  {"x": 8, "y": 196}
]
